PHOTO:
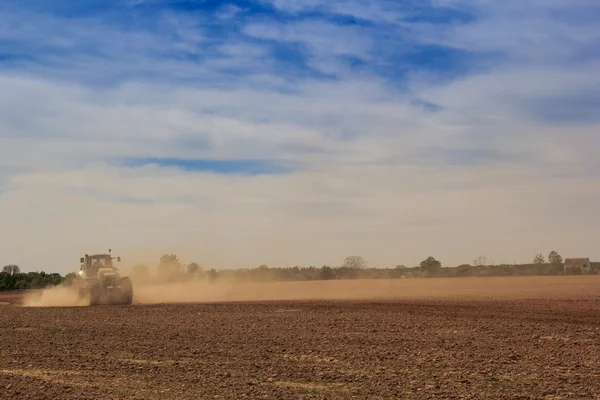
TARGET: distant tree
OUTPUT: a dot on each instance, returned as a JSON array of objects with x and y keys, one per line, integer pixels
[
  {"x": 554, "y": 258},
  {"x": 431, "y": 265},
  {"x": 399, "y": 271},
  {"x": 169, "y": 259},
  {"x": 169, "y": 266},
  {"x": 11, "y": 269},
  {"x": 193, "y": 268},
  {"x": 480, "y": 261},
  {"x": 262, "y": 273},
  {"x": 464, "y": 270},
  {"x": 355, "y": 262},
  {"x": 539, "y": 259},
  {"x": 68, "y": 279},
  {"x": 212, "y": 274},
  {"x": 326, "y": 273}
]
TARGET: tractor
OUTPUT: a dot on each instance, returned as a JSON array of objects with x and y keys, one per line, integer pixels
[{"x": 99, "y": 280}]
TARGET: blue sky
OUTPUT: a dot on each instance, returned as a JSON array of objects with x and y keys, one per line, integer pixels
[
  {"x": 266, "y": 117},
  {"x": 222, "y": 44}
]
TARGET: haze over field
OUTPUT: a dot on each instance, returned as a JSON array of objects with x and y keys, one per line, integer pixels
[
  {"x": 239, "y": 133},
  {"x": 198, "y": 291}
]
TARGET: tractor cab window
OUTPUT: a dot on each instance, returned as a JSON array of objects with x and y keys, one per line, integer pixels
[
  {"x": 98, "y": 263},
  {"x": 95, "y": 264}
]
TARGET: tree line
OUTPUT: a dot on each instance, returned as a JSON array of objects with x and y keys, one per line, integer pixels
[
  {"x": 11, "y": 278},
  {"x": 171, "y": 269}
]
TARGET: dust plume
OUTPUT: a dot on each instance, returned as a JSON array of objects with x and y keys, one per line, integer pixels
[
  {"x": 204, "y": 291},
  {"x": 57, "y": 296},
  {"x": 370, "y": 289}
]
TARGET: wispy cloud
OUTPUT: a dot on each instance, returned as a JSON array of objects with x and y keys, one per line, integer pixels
[{"x": 290, "y": 132}]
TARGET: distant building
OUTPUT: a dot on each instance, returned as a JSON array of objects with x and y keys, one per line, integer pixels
[{"x": 577, "y": 265}]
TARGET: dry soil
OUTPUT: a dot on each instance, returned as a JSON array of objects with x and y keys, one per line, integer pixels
[{"x": 522, "y": 345}]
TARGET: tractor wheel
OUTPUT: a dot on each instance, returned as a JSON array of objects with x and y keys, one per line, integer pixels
[
  {"x": 126, "y": 291},
  {"x": 95, "y": 293}
]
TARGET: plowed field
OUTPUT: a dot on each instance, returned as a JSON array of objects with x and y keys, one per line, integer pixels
[{"x": 308, "y": 349}]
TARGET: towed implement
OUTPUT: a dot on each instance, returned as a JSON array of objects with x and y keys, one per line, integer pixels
[{"x": 99, "y": 280}]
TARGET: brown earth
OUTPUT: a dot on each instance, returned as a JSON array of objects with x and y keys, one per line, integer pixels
[
  {"x": 16, "y": 297},
  {"x": 523, "y": 345}
]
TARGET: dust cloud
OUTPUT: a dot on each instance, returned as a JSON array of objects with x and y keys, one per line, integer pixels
[
  {"x": 203, "y": 291},
  {"x": 371, "y": 289},
  {"x": 57, "y": 296}
]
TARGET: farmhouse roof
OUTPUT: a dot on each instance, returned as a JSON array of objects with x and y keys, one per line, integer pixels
[{"x": 580, "y": 260}]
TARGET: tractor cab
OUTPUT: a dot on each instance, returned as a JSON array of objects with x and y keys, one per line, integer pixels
[{"x": 92, "y": 264}]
